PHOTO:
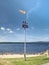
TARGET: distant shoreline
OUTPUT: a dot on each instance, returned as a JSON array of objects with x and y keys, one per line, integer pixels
[{"x": 22, "y": 42}]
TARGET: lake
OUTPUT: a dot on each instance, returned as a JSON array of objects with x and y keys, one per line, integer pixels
[{"x": 15, "y": 47}]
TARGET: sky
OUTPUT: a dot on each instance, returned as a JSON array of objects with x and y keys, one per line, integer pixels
[{"x": 36, "y": 13}]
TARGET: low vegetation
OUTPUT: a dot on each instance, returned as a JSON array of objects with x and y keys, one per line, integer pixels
[{"x": 20, "y": 61}]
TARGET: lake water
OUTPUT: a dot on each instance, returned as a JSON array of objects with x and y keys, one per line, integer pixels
[{"x": 19, "y": 47}]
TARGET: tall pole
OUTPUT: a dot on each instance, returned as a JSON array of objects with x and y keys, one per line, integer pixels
[
  {"x": 24, "y": 25},
  {"x": 25, "y": 44}
]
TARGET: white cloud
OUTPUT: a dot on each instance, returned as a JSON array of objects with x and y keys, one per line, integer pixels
[
  {"x": 18, "y": 29},
  {"x": 8, "y": 29},
  {"x": 11, "y": 31},
  {"x": 2, "y": 28}
]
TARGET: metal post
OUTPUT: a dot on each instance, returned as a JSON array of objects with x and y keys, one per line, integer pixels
[
  {"x": 25, "y": 25},
  {"x": 25, "y": 45}
]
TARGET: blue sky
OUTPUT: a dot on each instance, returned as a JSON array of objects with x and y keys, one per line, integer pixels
[{"x": 37, "y": 16}]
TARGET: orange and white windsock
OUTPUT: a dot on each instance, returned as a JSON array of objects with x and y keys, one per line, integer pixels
[{"x": 22, "y": 11}]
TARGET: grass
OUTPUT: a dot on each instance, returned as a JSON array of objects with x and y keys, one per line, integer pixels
[{"x": 30, "y": 61}]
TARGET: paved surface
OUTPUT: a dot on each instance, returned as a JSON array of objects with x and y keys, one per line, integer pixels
[{"x": 46, "y": 64}]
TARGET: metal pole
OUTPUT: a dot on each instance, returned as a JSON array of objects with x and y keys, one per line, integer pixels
[{"x": 25, "y": 45}]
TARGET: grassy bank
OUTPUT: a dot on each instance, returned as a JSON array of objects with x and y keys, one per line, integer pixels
[{"x": 29, "y": 61}]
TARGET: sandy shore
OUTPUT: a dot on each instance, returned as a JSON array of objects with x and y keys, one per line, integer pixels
[
  {"x": 17, "y": 55},
  {"x": 10, "y": 55}
]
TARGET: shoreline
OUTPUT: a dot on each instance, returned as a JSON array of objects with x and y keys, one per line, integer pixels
[
  {"x": 18, "y": 55},
  {"x": 14, "y": 55}
]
